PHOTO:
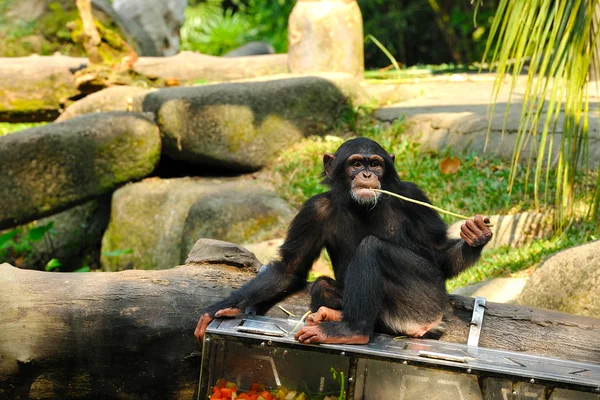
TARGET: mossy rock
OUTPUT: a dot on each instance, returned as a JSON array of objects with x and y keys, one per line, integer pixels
[
  {"x": 115, "y": 98},
  {"x": 155, "y": 223},
  {"x": 568, "y": 282},
  {"x": 241, "y": 126},
  {"x": 48, "y": 169}
]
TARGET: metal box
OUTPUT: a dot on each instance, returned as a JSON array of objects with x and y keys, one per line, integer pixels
[{"x": 257, "y": 349}]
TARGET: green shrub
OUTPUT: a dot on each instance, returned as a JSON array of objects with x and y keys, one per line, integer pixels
[{"x": 210, "y": 30}]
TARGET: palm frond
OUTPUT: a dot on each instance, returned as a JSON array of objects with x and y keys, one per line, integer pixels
[{"x": 559, "y": 38}]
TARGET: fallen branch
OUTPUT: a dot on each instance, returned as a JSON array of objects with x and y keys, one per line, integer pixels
[{"x": 426, "y": 205}]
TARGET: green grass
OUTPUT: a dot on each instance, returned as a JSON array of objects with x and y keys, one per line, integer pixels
[
  {"x": 418, "y": 71},
  {"x": 479, "y": 186},
  {"x": 6, "y": 127}
]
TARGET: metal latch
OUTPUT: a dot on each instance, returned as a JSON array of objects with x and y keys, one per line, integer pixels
[{"x": 476, "y": 321}]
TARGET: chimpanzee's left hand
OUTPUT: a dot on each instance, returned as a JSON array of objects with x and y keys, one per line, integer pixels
[{"x": 475, "y": 232}]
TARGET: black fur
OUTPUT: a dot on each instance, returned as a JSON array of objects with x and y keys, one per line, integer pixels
[{"x": 389, "y": 260}]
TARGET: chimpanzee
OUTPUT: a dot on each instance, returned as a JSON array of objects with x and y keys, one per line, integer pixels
[{"x": 390, "y": 257}]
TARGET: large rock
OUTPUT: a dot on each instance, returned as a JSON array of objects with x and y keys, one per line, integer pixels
[
  {"x": 155, "y": 223},
  {"x": 74, "y": 239},
  {"x": 498, "y": 290},
  {"x": 241, "y": 126},
  {"x": 115, "y": 98},
  {"x": 154, "y": 25},
  {"x": 211, "y": 251},
  {"x": 513, "y": 230},
  {"x": 48, "y": 169},
  {"x": 568, "y": 281}
]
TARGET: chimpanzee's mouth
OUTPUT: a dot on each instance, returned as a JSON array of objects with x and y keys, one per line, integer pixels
[{"x": 365, "y": 192}]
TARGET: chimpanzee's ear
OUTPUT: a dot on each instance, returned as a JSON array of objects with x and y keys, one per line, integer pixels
[
  {"x": 327, "y": 163},
  {"x": 393, "y": 157}
]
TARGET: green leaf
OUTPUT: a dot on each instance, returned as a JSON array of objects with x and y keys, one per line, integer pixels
[
  {"x": 52, "y": 265},
  {"x": 117, "y": 253},
  {"x": 37, "y": 233},
  {"x": 83, "y": 269},
  {"x": 6, "y": 238},
  {"x": 385, "y": 51}
]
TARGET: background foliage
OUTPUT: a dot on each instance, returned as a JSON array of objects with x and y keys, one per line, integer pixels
[{"x": 414, "y": 31}]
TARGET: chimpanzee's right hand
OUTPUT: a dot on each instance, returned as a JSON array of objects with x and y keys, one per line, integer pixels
[{"x": 206, "y": 319}]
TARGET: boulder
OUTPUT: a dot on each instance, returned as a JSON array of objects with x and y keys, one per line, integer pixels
[
  {"x": 47, "y": 169},
  {"x": 265, "y": 251},
  {"x": 155, "y": 223},
  {"x": 513, "y": 230},
  {"x": 153, "y": 24},
  {"x": 74, "y": 239},
  {"x": 115, "y": 98},
  {"x": 498, "y": 290},
  {"x": 211, "y": 251},
  {"x": 567, "y": 281},
  {"x": 241, "y": 126}
]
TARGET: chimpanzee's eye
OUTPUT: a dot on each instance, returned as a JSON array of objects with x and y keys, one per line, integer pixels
[
  {"x": 356, "y": 164},
  {"x": 374, "y": 164}
]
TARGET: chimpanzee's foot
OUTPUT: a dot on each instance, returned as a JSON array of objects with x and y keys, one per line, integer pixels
[{"x": 323, "y": 314}]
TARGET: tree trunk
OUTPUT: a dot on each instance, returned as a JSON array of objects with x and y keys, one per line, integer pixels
[
  {"x": 129, "y": 335},
  {"x": 91, "y": 38},
  {"x": 326, "y": 36}
]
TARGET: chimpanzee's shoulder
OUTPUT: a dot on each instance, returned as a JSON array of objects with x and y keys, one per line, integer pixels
[{"x": 320, "y": 204}]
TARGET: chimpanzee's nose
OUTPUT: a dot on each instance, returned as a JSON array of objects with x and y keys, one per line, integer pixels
[{"x": 366, "y": 174}]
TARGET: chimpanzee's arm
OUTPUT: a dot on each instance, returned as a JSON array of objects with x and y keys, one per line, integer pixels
[
  {"x": 282, "y": 278},
  {"x": 459, "y": 254}
]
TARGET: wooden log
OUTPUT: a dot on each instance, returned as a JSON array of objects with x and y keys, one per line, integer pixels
[
  {"x": 129, "y": 335},
  {"x": 36, "y": 88},
  {"x": 189, "y": 66}
]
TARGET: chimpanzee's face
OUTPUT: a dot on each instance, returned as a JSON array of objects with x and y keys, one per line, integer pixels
[{"x": 365, "y": 172}]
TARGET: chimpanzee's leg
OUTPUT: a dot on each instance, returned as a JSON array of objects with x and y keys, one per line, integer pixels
[
  {"x": 361, "y": 301},
  {"x": 388, "y": 284},
  {"x": 415, "y": 293},
  {"x": 325, "y": 292}
]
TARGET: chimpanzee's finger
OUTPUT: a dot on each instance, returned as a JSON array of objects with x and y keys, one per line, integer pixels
[
  {"x": 228, "y": 312},
  {"x": 299, "y": 333},
  {"x": 473, "y": 227},
  {"x": 468, "y": 232},
  {"x": 201, "y": 327},
  {"x": 467, "y": 239},
  {"x": 305, "y": 337},
  {"x": 481, "y": 223},
  {"x": 315, "y": 318}
]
